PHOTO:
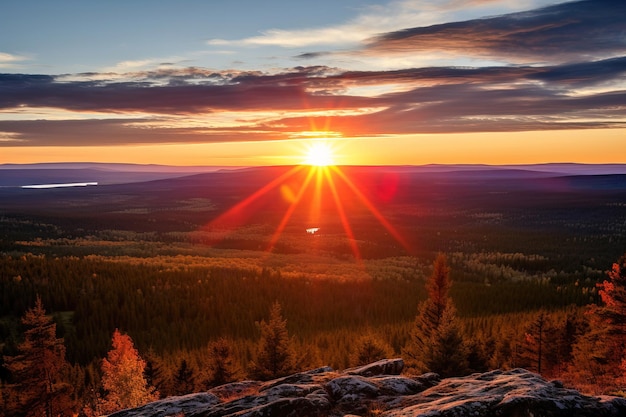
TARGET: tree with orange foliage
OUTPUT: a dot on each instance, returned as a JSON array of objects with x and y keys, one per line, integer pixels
[
  {"x": 123, "y": 377},
  {"x": 39, "y": 387},
  {"x": 599, "y": 356},
  {"x": 613, "y": 295}
]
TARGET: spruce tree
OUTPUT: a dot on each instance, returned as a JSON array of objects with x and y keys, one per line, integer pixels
[
  {"x": 534, "y": 342},
  {"x": 222, "y": 365},
  {"x": 370, "y": 348},
  {"x": 275, "y": 354},
  {"x": 123, "y": 377},
  {"x": 613, "y": 312},
  {"x": 447, "y": 353},
  {"x": 184, "y": 379},
  {"x": 436, "y": 324},
  {"x": 154, "y": 370},
  {"x": 600, "y": 354},
  {"x": 38, "y": 372}
]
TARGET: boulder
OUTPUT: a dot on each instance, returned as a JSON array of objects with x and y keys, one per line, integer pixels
[
  {"x": 517, "y": 392},
  {"x": 236, "y": 389},
  {"x": 377, "y": 389},
  {"x": 172, "y": 405},
  {"x": 381, "y": 367}
]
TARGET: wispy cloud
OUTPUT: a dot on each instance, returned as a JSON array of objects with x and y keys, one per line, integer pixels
[
  {"x": 560, "y": 33},
  {"x": 11, "y": 60},
  {"x": 573, "y": 75},
  {"x": 423, "y": 100},
  {"x": 371, "y": 21}
]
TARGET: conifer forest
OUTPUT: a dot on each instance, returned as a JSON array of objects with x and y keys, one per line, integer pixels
[{"x": 113, "y": 296}]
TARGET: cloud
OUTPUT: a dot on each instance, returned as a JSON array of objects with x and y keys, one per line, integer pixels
[
  {"x": 572, "y": 75},
  {"x": 197, "y": 105},
  {"x": 11, "y": 60},
  {"x": 295, "y": 38},
  {"x": 559, "y": 33},
  {"x": 370, "y": 21},
  {"x": 116, "y": 132},
  {"x": 197, "y": 92}
]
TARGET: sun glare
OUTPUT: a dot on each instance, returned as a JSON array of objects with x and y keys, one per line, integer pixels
[{"x": 319, "y": 154}]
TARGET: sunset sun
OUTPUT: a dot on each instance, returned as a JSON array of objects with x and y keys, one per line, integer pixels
[{"x": 319, "y": 154}]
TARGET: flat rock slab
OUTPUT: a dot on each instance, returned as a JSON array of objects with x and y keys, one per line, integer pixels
[{"x": 378, "y": 389}]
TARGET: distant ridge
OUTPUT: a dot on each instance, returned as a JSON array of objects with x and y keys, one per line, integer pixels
[
  {"x": 555, "y": 167},
  {"x": 19, "y": 175},
  {"x": 117, "y": 167}
]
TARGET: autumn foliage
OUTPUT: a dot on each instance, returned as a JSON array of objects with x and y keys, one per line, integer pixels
[
  {"x": 123, "y": 377},
  {"x": 599, "y": 356},
  {"x": 39, "y": 387}
]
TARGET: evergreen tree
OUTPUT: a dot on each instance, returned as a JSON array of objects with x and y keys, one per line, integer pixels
[
  {"x": 560, "y": 338},
  {"x": 447, "y": 353},
  {"x": 370, "y": 348},
  {"x": 503, "y": 355},
  {"x": 478, "y": 353},
  {"x": 123, "y": 377},
  {"x": 435, "y": 325},
  {"x": 184, "y": 379},
  {"x": 222, "y": 365},
  {"x": 599, "y": 354},
  {"x": 275, "y": 355},
  {"x": 154, "y": 372},
  {"x": 613, "y": 313},
  {"x": 438, "y": 286},
  {"x": 592, "y": 370},
  {"x": 39, "y": 371},
  {"x": 534, "y": 346}
]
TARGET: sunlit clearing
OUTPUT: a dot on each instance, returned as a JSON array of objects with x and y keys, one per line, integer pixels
[{"x": 319, "y": 154}]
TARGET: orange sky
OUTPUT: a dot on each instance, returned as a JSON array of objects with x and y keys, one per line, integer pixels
[
  {"x": 390, "y": 83},
  {"x": 582, "y": 146}
]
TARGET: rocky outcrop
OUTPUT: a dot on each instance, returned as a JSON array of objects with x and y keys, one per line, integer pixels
[{"x": 379, "y": 389}]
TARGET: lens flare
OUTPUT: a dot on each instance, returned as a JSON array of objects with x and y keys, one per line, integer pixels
[
  {"x": 319, "y": 154},
  {"x": 320, "y": 186}
]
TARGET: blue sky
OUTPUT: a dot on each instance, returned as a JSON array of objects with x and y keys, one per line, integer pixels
[
  {"x": 85, "y": 36},
  {"x": 246, "y": 82}
]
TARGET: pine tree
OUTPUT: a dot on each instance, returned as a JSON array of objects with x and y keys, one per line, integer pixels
[
  {"x": 154, "y": 372},
  {"x": 123, "y": 377},
  {"x": 534, "y": 338},
  {"x": 503, "y": 356},
  {"x": 613, "y": 313},
  {"x": 592, "y": 370},
  {"x": 599, "y": 354},
  {"x": 478, "y": 353},
  {"x": 222, "y": 366},
  {"x": 436, "y": 324},
  {"x": 39, "y": 370},
  {"x": 447, "y": 354},
  {"x": 184, "y": 379},
  {"x": 438, "y": 286},
  {"x": 369, "y": 348},
  {"x": 275, "y": 355}
]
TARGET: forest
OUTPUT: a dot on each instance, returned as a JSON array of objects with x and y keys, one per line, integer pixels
[{"x": 519, "y": 281}]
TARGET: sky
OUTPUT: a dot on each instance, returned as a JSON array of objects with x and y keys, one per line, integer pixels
[{"x": 245, "y": 82}]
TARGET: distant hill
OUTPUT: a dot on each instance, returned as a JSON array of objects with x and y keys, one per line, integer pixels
[{"x": 18, "y": 175}]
